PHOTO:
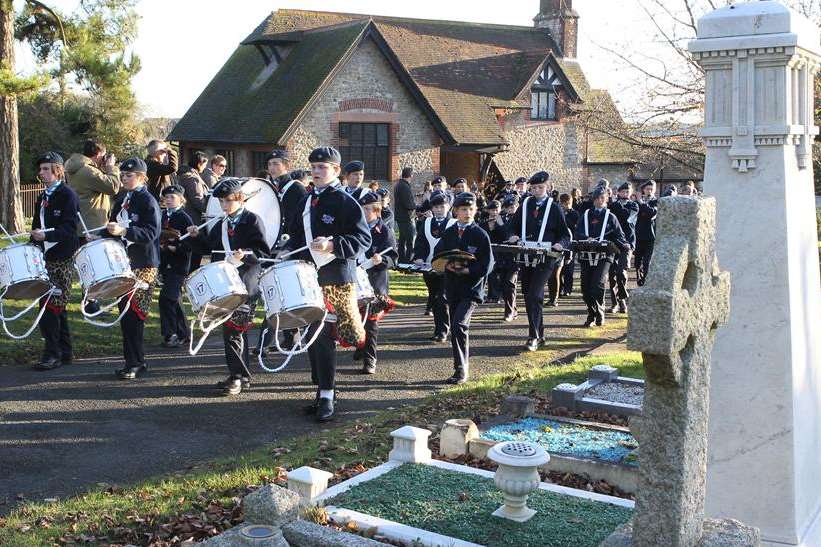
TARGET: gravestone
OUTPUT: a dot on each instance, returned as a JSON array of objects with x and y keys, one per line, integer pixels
[
  {"x": 760, "y": 60},
  {"x": 673, "y": 321}
]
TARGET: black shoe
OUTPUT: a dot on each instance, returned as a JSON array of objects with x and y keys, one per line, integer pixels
[
  {"x": 599, "y": 319},
  {"x": 440, "y": 338},
  {"x": 131, "y": 372},
  {"x": 589, "y": 321},
  {"x": 48, "y": 363},
  {"x": 92, "y": 306},
  {"x": 532, "y": 344},
  {"x": 234, "y": 387},
  {"x": 311, "y": 408},
  {"x": 246, "y": 382},
  {"x": 622, "y": 306},
  {"x": 553, "y": 303},
  {"x": 613, "y": 309},
  {"x": 172, "y": 341},
  {"x": 457, "y": 379},
  {"x": 325, "y": 409},
  {"x": 369, "y": 368},
  {"x": 222, "y": 384},
  {"x": 509, "y": 318},
  {"x": 428, "y": 312}
]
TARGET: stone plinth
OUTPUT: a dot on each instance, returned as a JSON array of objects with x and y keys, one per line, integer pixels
[
  {"x": 760, "y": 61},
  {"x": 717, "y": 533},
  {"x": 250, "y": 535},
  {"x": 518, "y": 406},
  {"x": 308, "y": 482},
  {"x": 271, "y": 505},
  {"x": 455, "y": 436},
  {"x": 410, "y": 445}
]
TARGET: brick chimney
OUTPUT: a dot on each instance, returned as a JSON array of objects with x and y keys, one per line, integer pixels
[{"x": 562, "y": 22}]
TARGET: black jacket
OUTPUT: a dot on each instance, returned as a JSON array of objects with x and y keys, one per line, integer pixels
[
  {"x": 177, "y": 261},
  {"x": 646, "y": 221},
  {"x": 144, "y": 230},
  {"x": 403, "y": 203},
  {"x": 382, "y": 237},
  {"x": 571, "y": 218},
  {"x": 249, "y": 235},
  {"x": 60, "y": 214},
  {"x": 333, "y": 214},
  {"x": 387, "y": 217},
  {"x": 289, "y": 204},
  {"x": 627, "y": 212},
  {"x": 421, "y": 249},
  {"x": 556, "y": 229},
  {"x": 356, "y": 193},
  {"x": 612, "y": 231},
  {"x": 498, "y": 235},
  {"x": 475, "y": 241}
]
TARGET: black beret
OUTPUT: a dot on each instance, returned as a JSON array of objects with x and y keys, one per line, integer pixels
[
  {"x": 278, "y": 154},
  {"x": 437, "y": 198},
  {"x": 353, "y": 167},
  {"x": 624, "y": 186},
  {"x": 440, "y": 180},
  {"x": 298, "y": 174},
  {"x": 603, "y": 183},
  {"x": 648, "y": 183},
  {"x": 135, "y": 165},
  {"x": 540, "y": 178},
  {"x": 50, "y": 157},
  {"x": 521, "y": 179},
  {"x": 463, "y": 199},
  {"x": 173, "y": 189},
  {"x": 507, "y": 182},
  {"x": 226, "y": 187},
  {"x": 510, "y": 200},
  {"x": 325, "y": 154},
  {"x": 493, "y": 204},
  {"x": 369, "y": 197},
  {"x": 457, "y": 181},
  {"x": 382, "y": 192},
  {"x": 598, "y": 191}
]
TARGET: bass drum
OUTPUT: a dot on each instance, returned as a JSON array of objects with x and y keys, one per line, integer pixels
[{"x": 262, "y": 200}]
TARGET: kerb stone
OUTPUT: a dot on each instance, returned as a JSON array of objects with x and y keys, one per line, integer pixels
[{"x": 307, "y": 534}]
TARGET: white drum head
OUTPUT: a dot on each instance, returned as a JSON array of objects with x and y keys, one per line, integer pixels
[{"x": 263, "y": 202}]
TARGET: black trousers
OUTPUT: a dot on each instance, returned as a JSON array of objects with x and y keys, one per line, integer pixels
[
  {"x": 371, "y": 339},
  {"x": 236, "y": 351},
  {"x": 436, "y": 290},
  {"x": 57, "y": 337},
  {"x": 644, "y": 253},
  {"x": 172, "y": 318},
  {"x": 618, "y": 278},
  {"x": 554, "y": 282},
  {"x": 568, "y": 270},
  {"x": 508, "y": 276},
  {"x": 322, "y": 355},
  {"x": 133, "y": 329},
  {"x": 593, "y": 279},
  {"x": 407, "y": 234},
  {"x": 533, "y": 281},
  {"x": 460, "y": 314}
]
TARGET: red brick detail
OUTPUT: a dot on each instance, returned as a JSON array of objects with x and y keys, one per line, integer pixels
[
  {"x": 436, "y": 160},
  {"x": 365, "y": 103},
  {"x": 394, "y": 144}
]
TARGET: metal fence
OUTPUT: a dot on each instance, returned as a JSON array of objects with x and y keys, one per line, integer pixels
[{"x": 28, "y": 195}]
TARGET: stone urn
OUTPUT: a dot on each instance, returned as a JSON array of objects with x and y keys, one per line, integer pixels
[{"x": 517, "y": 476}]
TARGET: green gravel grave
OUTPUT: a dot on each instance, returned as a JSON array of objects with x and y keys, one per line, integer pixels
[{"x": 459, "y": 505}]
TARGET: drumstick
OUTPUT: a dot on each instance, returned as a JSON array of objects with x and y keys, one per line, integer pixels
[
  {"x": 47, "y": 230},
  {"x": 5, "y": 232},
  {"x": 305, "y": 248},
  {"x": 83, "y": 222},
  {"x": 201, "y": 226}
]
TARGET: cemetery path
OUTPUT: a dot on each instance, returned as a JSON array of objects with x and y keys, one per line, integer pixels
[{"x": 64, "y": 431}]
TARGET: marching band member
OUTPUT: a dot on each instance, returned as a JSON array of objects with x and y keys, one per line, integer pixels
[
  {"x": 387, "y": 214},
  {"x": 291, "y": 192},
  {"x": 428, "y": 233},
  {"x": 597, "y": 223},
  {"x": 382, "y": 239},
  {"x": 506, "y": 270},
  {"x": 538, "y": 220},
  {"x": 175, "y": 264},
  {"x": 509, "y": 207},
  {"x": 464, "y": 283},
  {"x": 56, "y": 208},
  {"x": 521, "y": 187},
  {"x": 241, "y": 235},
  {"x": 645, "y": 230},
  {"x": 571, "y": 218},
  {"x": 135, "y": 218},
  {"x": 627, "y": 212},
  {"x": 354, "y": 173},
  {"x": 334, "y": 226}
]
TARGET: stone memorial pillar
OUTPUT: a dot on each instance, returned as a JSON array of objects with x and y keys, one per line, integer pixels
[{"x": 764, "y": 462}]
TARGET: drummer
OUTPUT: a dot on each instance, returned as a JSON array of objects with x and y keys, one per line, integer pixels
[
  {"x": 333, "y": 225},
  {"x": 135, "y": 218},
  {"x": 354, "y": 173},
  {"x": 383, "y": 254},
  {"x": 289, "y": 190},
  {"x": 56, "y": 209},
  {"x": 538, "y": 220},
  {"x": 175, "y": 263},
  {"x": 464, "y": 283},
  {"x": 241, "y": 235}
]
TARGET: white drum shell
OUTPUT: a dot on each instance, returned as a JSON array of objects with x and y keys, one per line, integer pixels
[
  {"x": 291, "y": 292},
  {"x": 104, "y": 269},
  {"x": 23, "y": 272},
  {"x": 264, "y": 204},
  {"x": 215, "y": 290},
  {"x": 364, "y": 290}
]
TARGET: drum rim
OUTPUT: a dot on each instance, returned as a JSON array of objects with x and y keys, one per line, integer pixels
[
  {"x": 22, "y": 244},
  {"x": 284, "y": 263},
  {"x": 95, "y": 242},
  {"x": 291, "y": 308},
  {"x": 129, "y": 275},
  {"x": 218, "y": 262}
]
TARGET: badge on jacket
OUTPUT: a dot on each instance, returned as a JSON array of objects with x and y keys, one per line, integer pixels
[
  {"x": 472, "y": 250},
  {"x": 328, "y": 219},
  {"x": 57, "y": 213},
  {"x": 134, "y": 217}
]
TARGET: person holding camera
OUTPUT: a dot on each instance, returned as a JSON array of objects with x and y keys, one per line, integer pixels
[
  {"x": 94, "y": 176},
  {"x": 162, "y": 163}
]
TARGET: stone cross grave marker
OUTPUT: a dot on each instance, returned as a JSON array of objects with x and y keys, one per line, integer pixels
[{"x": 673, "y": 320}]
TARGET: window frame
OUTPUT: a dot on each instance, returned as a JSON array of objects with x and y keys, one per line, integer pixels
[{"x": 369, "y": 142}]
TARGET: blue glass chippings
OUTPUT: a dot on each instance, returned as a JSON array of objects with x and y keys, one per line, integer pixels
[{"x": 568, "y": 439}]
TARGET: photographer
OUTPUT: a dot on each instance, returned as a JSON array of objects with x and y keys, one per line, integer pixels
[
  {"x": 95, "y": 178},
  {"x": 162, "y": 163}
]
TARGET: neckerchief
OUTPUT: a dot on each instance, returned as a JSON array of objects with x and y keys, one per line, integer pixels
[
  {"x": 50, "y": 190},
  {"x": 233, "y": 220}
]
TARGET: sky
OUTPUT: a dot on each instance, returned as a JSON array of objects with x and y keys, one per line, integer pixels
[{"x": 183, "y": 43}]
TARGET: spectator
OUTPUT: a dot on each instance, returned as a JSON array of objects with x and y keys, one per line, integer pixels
[
  {"x": 96, "y": 179},
  {"x": 212, "y": 174},
  {"x": 404, "y": 207},
  {"x": 196, "y": 190},
  {"x": 162, "y": 164}
]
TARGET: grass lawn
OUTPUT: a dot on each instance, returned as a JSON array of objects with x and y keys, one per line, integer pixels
[
  {"x": 136, "y": 513},
  {"x": 92, "y": 341}
]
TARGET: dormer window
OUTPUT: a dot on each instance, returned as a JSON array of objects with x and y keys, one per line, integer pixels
[{"x": 543, "y": 96}]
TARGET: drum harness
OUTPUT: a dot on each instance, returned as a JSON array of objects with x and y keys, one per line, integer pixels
[
  {"x": 594, "y": 258},
  {"x": 539, "y": 259}
]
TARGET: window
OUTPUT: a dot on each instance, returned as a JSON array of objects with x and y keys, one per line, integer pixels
[
  {"x": 543, "y": 95},
  {"x": 369, "y": 143}
]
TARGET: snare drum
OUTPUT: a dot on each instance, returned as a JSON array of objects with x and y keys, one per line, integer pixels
[
  {"x": 364, "y": 290},
  {"x": 104, "y": 269},
  {"x": 215, "y": 290},
  {"x": 23, "y": 272},
  {"x": 291, "y": 292}
]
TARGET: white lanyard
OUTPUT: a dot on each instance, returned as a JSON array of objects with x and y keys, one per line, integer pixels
[
  {"x": 226, "y": 243},
  {"x": 320, "y": 257},
  {"x": 604, "y": 224},
  {"x": 285, "y": 189},
  {"x": 46, "y": 245},
  {"x": 544, "y": 220},
  {"x": 124, "y": 220},
  {"x": 432, "y": 241}
]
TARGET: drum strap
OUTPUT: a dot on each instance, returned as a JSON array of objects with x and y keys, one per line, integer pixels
[
  {"x": 46, "y": 244},
  {"x": 320, "y": 258},
  {"x": 604, "y": 224},
  {"x": 226, "y": 241},
  {"x": 286, "y": 188},
  {"x": 548, "y": 207},
  {"x": 432, "y": 241}
]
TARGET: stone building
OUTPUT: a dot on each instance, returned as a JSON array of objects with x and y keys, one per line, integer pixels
[{"x": 460, "y": 99}]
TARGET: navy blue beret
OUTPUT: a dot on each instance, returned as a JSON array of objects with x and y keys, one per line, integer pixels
[
  {"x": 134, "y": 165},
  {"x": 226, "y": 187},
  {"x": 521, "y": 179},
  {"x": 283, "y": 155},
  {"x": 493, "y": 204},
  {"x": 50, "y": 157},
  {"x": 457, "y": 181},
  {"x": 440, "y": 180},
  {"x": 353, "y": 167},
  {"x": 369, "y": 197},
  {"x": 438, "y": 198},
  {"x": 510, "y": 200},
  {"x": 173, "y": 189},
  {"x": 325, "y": 154},
  {"x": 540, "y": 178},
  {"x": 598, "y": 191},
  {"x": 624, "y": 186},
  {"x": 464, "y": 199}
]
